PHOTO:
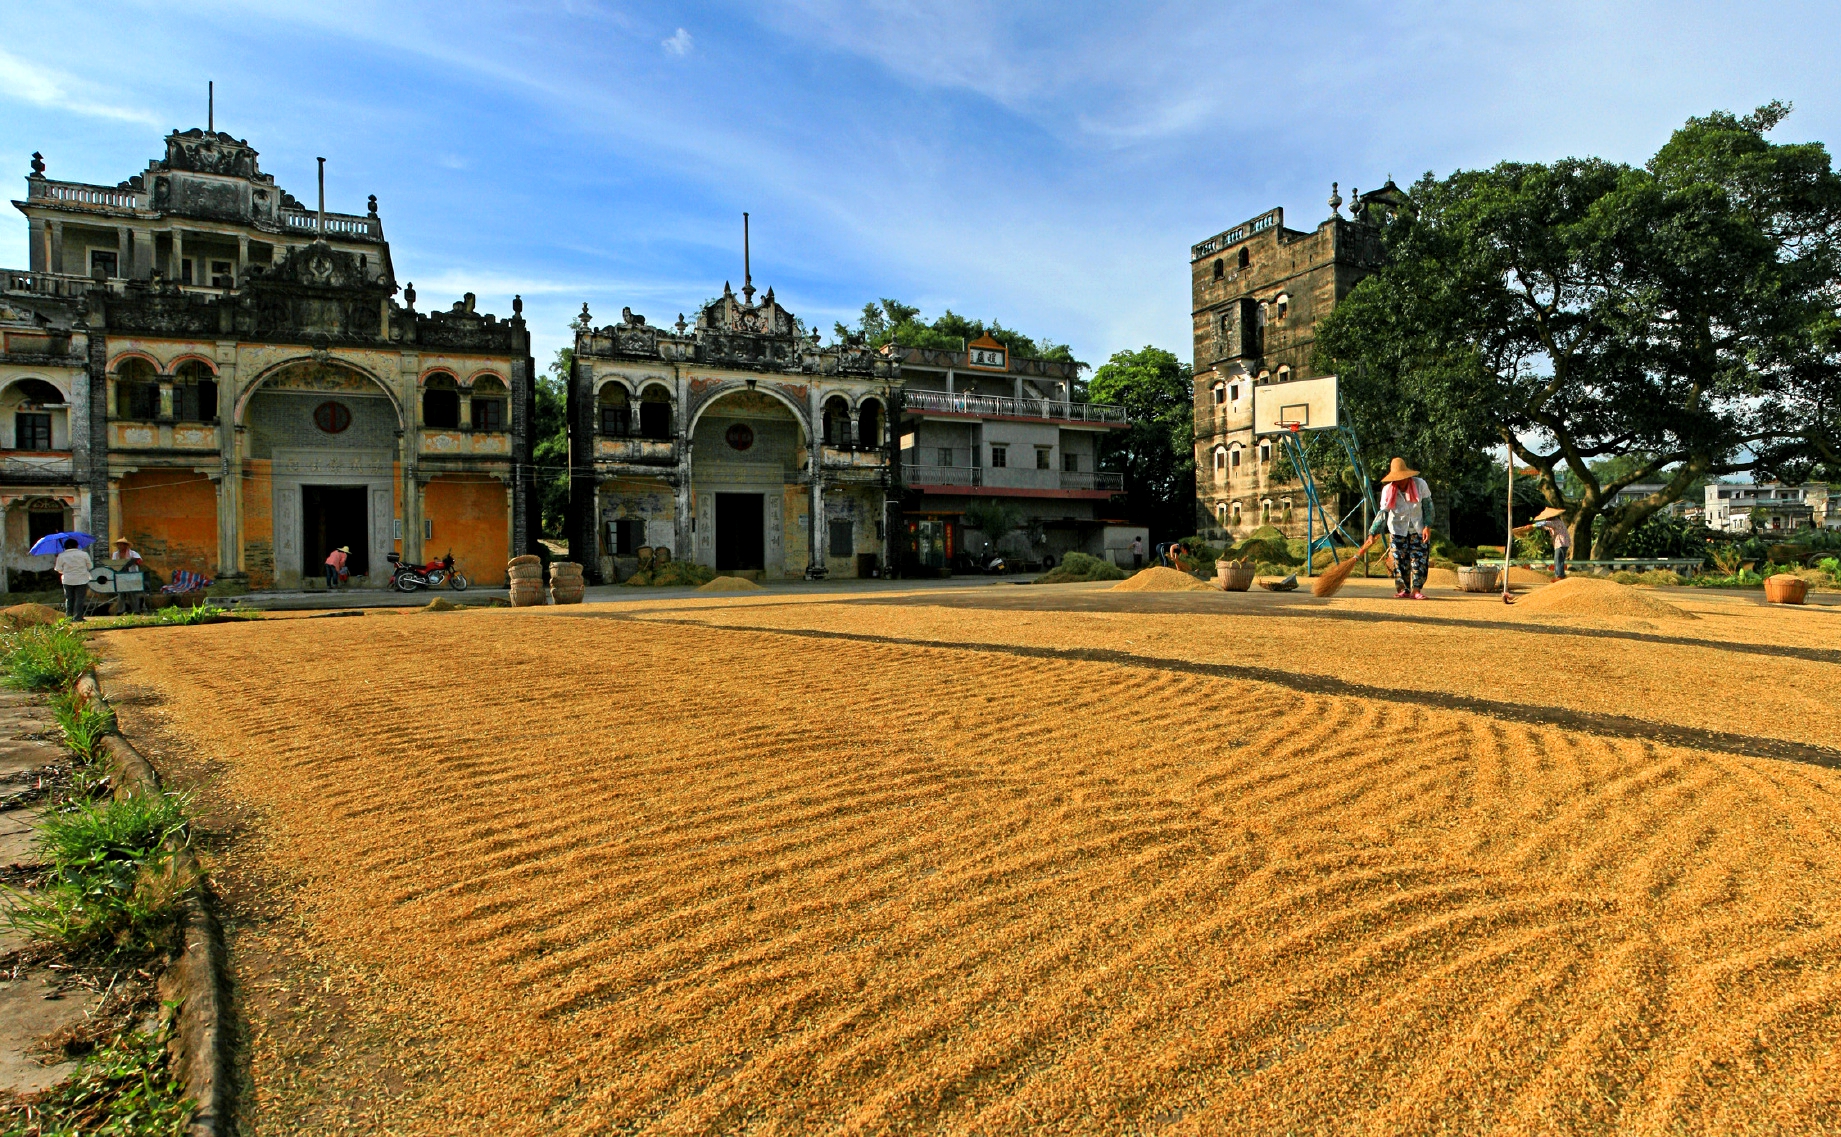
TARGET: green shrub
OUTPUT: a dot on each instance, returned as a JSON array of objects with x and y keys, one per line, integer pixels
[
  {"x": 46, "y": 658},
  {"x": 123, "y": 1088},
  {"x": 84, "y": 723},
  {"x": 1257, "y": 548},
  {"x": 110, "y": 883},
  {"x": 1075, "y": 567}
]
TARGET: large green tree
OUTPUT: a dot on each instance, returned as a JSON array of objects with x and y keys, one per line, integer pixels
[
  {"x": 1582, "y": 310},
  {"x": 891, "y": 320},
  {"x": 1157, "y": 452},
  {"x": 551, "y": 438}
]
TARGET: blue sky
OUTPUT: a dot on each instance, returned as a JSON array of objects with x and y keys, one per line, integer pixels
[{"x": 1046, "y": 165}]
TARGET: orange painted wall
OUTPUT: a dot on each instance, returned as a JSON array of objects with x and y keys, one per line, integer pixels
[
  {"x": 171, "y": 516},
  {"x": 259, "y": 522},
  {"x": 470, "y": 519}
]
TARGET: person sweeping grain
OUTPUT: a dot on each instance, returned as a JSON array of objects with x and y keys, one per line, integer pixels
[
  {"x": 1406, "y": 512},
  {"x": 1553, "y": 520}
]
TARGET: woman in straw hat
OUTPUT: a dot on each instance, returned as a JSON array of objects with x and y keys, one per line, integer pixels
[
  {"x": 1406, "y": 515},
  {"x": 1553, "y": 520},
  {"x": 335, "y": 565}
]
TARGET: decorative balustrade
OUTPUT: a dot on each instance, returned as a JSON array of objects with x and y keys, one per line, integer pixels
[
  {"x": 79, "y": 194},
  {"x": 836, "y": 457},
  {"x": 645, "y": 451},
  {"x": 35, "y": 466},
  {"x": 337, "y": 224},
  {"x": 44, "y": 283},
  {"x": 1001, "y": 406}
]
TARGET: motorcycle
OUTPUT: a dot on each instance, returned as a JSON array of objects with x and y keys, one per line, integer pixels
[{"x": 406, "y": 577}]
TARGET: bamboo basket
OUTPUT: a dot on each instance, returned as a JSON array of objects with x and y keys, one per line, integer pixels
[
  {"x": 1785, "y": 589},
  {"x": 1478, "y": 578},
  {"x": 1233, "y": 576},
  {"x": 527, "y": 593}
]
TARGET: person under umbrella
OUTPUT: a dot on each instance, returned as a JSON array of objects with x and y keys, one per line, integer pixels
[
  {"x": 1406, "y": 515},
  {"x": 75, "y": 570}
]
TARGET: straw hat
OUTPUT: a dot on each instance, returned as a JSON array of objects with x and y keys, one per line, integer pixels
[
  {"x": 123, "y": 541},
  {"x": 345, "y": 548},
  {"x": 1398, "y": 472},
  {"x": 1550, "y": 513}
]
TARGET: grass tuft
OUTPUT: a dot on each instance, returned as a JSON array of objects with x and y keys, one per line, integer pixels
[
  {"x": 123, "y": 1088},
  {"x": 111, "y": 884},
  {"x": 46, "y": 658}
]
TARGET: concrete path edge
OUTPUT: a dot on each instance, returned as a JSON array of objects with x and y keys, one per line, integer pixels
[{"x": 198, "y": 981}]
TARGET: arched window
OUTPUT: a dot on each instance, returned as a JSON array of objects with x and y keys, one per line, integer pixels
[
  {"x": 1236, "y": 515},
  {"x": 194, "y": 392},
  {"x": 490, "y": 400},
  {"x": 837, "y": 421},
  {"x": 441, "y": 403},
  {"x": 1220, "y": 458},
  {"x": 1221, "y": 513},
  {"x": 137, "y": 390},
  {"x": 1284, "y": 375},
  {"x": 32, "y": 401},
  {"x": 1220, "y": 393},
  {"x": 1220, "y": 268},
  {"x": 616, "y": 411},
  {"x": 1233, "y": 458},
  {"x": 655, "y": 413},
  {"x": 1265, "y": 512},
  {"x": 1246, "y": 258},
  {"x": 1284, "y": 304},
  {"x": 1265, "y": 453},
  {"x": 869, "y": 424}
]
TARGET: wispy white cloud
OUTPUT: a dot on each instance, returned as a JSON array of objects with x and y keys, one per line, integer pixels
[
  {"x": 43, "y": 86},
  {"x": 678, "y": 44}
]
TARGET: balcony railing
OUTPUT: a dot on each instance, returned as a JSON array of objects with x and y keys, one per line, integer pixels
[
  {"x": 853, "y": 457},
  {"x": 1092, "y": 480},
  {"x": 646, "y": 451},
  {"x": 337, "y": 224},
  {"x": 36, "y": 465},
  {"x": 81, "y": 194},
  {"x": 956, "y": 403},
  {"x": 920, "y": 475},
  {"x": 43, "y": 283}
]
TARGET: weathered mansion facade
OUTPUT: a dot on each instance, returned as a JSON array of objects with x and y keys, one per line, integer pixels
[
  {"x": 198, "y": 362},
  {"x": 1257, "y": 291},
  {"x": 737, "y": 443}
]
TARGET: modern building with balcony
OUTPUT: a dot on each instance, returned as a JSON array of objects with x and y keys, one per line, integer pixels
[
  {"x": 984, "y": 425},
  {"x": 198, "y": 362},
  {"x": 735, "y": 442}
]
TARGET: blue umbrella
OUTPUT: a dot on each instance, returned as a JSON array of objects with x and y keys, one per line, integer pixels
[{"x": 54, "y": 543}]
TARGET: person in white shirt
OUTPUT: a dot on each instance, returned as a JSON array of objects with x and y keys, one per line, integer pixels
[
  {"x": 1553, "y": 520},
  {"x": 1406, "y": 515},
  {"x": 74, "y": 569}
]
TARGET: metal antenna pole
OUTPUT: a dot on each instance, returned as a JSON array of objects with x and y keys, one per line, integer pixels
[
  {"x": 322, "y": 222},
  {"x": 747, "y": 270},
  {"x": 211, "y": 105}
]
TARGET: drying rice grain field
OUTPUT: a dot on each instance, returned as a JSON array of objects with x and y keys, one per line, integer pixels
[{"x": 1013, "y": 861}]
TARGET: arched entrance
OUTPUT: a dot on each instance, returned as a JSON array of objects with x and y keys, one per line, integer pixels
[
  {"x": 322, "y": 464},
  {"x": 747, "y": 451}
]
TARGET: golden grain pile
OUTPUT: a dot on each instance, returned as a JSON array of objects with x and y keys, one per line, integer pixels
[
  {"x": 1587, "y": 596},
  {"x": 1159, "y": 578},
  {"x": 705, "y": 879},
  {"x": 729, "y": 584}
]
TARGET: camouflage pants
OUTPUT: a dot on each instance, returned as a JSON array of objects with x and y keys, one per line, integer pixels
[{"x": 1412, "y": 560}]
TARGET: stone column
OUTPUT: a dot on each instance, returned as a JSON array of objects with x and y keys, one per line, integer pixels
[
  {"x": 815, "y": 558},
  {"x": 114, "y": 527},
  {"x": 57, "y": 246},
  {"x": 124, "y": 252},
  {"x": 230, "y": 478},
  {"x": 177, "y": 256},
  {"x": 243, "y": 258}
]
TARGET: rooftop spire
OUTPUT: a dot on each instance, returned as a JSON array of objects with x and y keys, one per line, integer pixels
[
  {"x": 747, "y": 274},
  {"x": 211, "y": 105}
]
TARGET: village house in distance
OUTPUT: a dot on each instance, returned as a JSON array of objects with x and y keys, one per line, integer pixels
[
  {"x": 1257, "y": 291},
  {"x": 197, "y": 361}
]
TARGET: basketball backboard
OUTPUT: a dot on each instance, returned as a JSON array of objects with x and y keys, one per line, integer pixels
[{"x": 1302, "y": 404}]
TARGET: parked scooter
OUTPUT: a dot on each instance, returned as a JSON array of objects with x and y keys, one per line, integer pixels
[{"x": 406, "y": 577}]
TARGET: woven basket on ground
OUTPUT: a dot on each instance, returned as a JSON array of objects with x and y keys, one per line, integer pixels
[
  {"x": 526, "y": 559},
  {"x": 1785, "y": 589},
  {"x": 565, "y": 570},
  {"x": 1233, "y": 576},
  {"x": 1478, "y": 578},
  {"x": 527, "y": 593},
  {"x": 533, "y": 573},
  {"x": 561, "y": 595}
]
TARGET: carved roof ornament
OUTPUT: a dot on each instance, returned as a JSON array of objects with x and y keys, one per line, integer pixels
[
  {"x": 38, "y": 164},
  {"x": 1335, "y": 201},
  {"x": 211, "y": 152}
]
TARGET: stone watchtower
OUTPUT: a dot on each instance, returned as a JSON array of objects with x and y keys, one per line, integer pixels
[{"x": 1257, "y": 292}]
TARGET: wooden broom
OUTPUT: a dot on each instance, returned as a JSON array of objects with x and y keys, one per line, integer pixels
[{"x": 1329, "y": 582}]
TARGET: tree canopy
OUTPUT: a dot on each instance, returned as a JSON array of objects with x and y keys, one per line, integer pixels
[
  {"x": 891, "y": 320},
  {"x": 551, "y": 444},
  {"x": 1581, "y": 310},
  {"x": 1157, "y": 452}
]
